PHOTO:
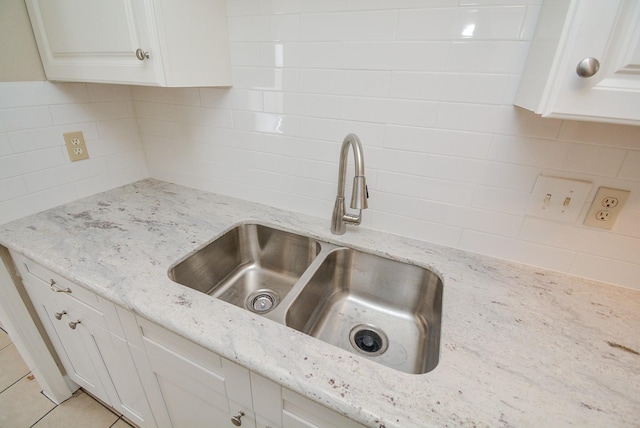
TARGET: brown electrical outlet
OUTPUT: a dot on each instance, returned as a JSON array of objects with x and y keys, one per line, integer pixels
[{"x": 75, "y": 146}]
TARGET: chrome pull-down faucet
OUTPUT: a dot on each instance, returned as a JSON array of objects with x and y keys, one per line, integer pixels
[{"x": 359, "y": 194}]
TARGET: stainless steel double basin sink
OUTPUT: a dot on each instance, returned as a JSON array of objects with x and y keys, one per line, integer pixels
[{"x": 379, "y": 308}]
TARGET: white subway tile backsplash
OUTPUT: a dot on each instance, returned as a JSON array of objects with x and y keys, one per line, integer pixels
[
  {"x": 581, "y": 239},
  {"x": 24, "y": 163},
  {"x": 604, "y": 134},
  {"x": 260, "y": 78},
  {"x": 65, "y": 174},
  {"x": 41, "y": 138},
  {"x": 237, "y": 100},
  {"x": 509, "y": 176},
  {"x": 90, "y": 112},
  {"x": 30, "y": 203},
  {"x": 591, "y": 159},
  {"x": 517, "y": 250},
  {"x": 426, "y": 24},
  {"x": 160, "y": 128},
  {"x": 422, "y": 187},
  {"x": 26, "y": 94},
  {"x": 453, "y": 87},
  {"x": 13, "y": 187},
  {"x": 416, "y": 229},
  {"x": 246, "y": 54},
  {"x": 371, "y": 134},
  {"x": 455, "y": 168},
  {"x": 389, "y": 110},
  {"x": 469, "y": 117},
  {"x": 516, "y": 121},
  {"x": 14, "y": 119},
  {"x": 115, "y": 127},
  {"x": 266, "y": 122},
  {"x": 438, "y": 141},
  {"x": 479, "y": 56},
  {"x": 485, "y": 221},
  {"x": 491, "y": 22},
  {"x": 630, "y": 169},
  {"x": 606, "y": 270},
  {"x": 398, "y": 160},
  {"x": 204, "y": 116},
  {"x": 346, "y": 26},
  {"x": 501, "y": 200},
  {"x": 35, "y": 170},
  {"x": 110, "y": 146},
  {"x": 345, "y": 82},
  {"x": 316, "y": 105},
  {"x": 101, "y": 93},
  {"x": 427, "y": 86},
  {"x": 110, "y": 180},
  {"x": 405, "y": 56},
  {"x": 5, "y": 145},
  {"x": 182, "y": 96}
]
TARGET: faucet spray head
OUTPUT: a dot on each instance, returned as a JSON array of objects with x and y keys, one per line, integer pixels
[{"x": 360, "y": 193}]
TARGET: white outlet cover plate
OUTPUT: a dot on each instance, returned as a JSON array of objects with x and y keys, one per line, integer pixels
[
  {"x": 598, "y": 206},
  {"x": 566, "y": 200}
]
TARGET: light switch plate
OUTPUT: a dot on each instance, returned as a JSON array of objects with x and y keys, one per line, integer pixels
[
  {"x": 559, "y": 199},
  {"x": 76, "y": 146},
  {"x": 605, "y": 207}
]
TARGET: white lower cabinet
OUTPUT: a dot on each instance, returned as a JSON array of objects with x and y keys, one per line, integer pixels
[
  {"x": 85, "y": 332},
  {"x": 197, "y": 388},
  {"x": 153, "y": 376},
  {"x": 193, "y": 387}
]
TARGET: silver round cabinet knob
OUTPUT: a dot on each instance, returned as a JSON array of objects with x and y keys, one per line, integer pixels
[
  {"x": 142, "y": 55},
  {"x": 237, "y": 420},
  {"x": 588, "y": 67}
]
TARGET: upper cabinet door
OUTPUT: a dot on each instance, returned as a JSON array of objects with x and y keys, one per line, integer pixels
[
  {"x": 147, "y": 42},
  {"x": 584, "y": 62}
]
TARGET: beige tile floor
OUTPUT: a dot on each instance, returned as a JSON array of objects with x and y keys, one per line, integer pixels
[{"x": 22, "y": 405}]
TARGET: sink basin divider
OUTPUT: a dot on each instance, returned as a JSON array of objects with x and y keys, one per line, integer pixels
[{"x": 279, "y": 313}]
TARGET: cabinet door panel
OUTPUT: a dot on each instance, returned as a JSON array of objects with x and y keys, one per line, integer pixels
[
  {"x": 79, "y": 27},
  {"x": 131, "y": 395},
  {"x": 570, "y": 31},
  {"x": 96, "y": 40}
]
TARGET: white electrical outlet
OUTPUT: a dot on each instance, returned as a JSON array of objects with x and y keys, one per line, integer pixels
[
  {"x": 76, "y": 147},
  {"x": 559, "y": 199},
  {"x": 605, "y": 207}
]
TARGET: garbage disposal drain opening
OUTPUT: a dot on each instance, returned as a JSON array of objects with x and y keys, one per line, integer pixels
[
  {"x": 262, "y": 301},
  {"x": 368, "y": 339}
]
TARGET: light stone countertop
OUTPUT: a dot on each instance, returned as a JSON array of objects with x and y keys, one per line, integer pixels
[{"x": 520, "y": 346}]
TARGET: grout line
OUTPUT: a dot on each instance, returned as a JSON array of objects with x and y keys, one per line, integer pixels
[{"x": 7, "y": 388}]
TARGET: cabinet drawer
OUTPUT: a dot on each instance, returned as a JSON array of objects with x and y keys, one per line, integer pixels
[
  {"x": 30, "y": 269},
  {"x": 155, "y": 335},
  {"x": 300, "y": 412},
  {"x": 68, "y": 308}
]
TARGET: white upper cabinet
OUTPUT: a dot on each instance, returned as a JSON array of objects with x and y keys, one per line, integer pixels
[
  {"x": 144, "y": 42},
  {"x": 604, "y": 32}
]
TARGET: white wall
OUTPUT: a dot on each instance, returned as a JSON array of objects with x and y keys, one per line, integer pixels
[
  {"x": 448, "y": 158},
  {"x": 19, "y": 59},
  {"x": 35, "y": 171}
]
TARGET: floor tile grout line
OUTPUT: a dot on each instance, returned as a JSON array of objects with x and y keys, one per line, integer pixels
[{"x": 7, "y": 388}]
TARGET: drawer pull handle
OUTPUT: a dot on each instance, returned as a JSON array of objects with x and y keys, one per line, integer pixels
[
  {"x": 236, "y": 420},
  {"x": 74, "y": 324},
  {"x": 60, "y": 314},
  {"x": 57, "y": 289}
]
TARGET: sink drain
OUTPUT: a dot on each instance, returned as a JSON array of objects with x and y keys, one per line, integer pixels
[
  {"x": 368, "y": 339},
  {"x": 262, "y": 301}
]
